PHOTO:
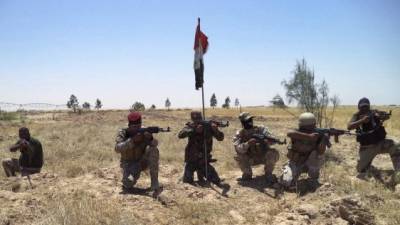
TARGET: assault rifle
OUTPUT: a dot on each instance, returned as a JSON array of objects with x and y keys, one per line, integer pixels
[
  {"x": 261, "y": 140},
  {"x": 332, "y": 132},
  {"x": 207, "y": 123},
  {"x": 151, "y": 130}
]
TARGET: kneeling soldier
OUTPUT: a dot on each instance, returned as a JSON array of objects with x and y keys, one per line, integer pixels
[
  {"x": 254, "y": 151},
  {"x": 138, "y": 152},
  {"x": 31, "y": 158},
  {"x": 305, "y": 152}
]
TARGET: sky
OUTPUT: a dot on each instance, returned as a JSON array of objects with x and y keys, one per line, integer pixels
[{"x": 127, "y": 51}]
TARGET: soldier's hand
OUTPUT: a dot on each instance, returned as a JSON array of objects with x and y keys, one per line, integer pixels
[
  {"x": 315, "y": 136},
  {"x": 23, "y": 144},
  {"x": 138, "y": 138},
  {"x": 214, "y": 126},
  {"x": 252, "y": 142},
  {"x": 148, "y": 135},
  {"x": 365, "y": 119},
  {"x": 199, "y": 129}
]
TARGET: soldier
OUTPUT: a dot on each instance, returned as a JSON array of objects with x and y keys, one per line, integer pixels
[
  {"x": 372, "y": 138},
  {"x": 251, "y": 152},
  {"x": 31, "y": 158},
  {"x": 138, "y": 152},
  {"x": 305, "y": 153},
  {"x": 195, "y": 158}
]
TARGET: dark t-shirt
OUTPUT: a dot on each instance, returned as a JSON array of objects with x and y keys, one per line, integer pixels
[{"x": 32, "y": 157}]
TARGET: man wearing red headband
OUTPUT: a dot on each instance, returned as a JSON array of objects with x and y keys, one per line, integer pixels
[{"x": 138, "y": 152}]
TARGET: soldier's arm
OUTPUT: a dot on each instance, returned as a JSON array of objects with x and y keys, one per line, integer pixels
[
  {"x": 218, "y": 134},
  {"x": 354, "y": 123},
  {"x": 240, "y": 146},
  {"x": 186, "y": 132},
  {"x": 16, "y": 146},
  {"x": 123, "y": 144},
  {"x": 303, "y": 136}
]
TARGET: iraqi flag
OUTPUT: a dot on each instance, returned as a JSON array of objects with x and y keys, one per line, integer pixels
[{"x": 200, "y": 48}]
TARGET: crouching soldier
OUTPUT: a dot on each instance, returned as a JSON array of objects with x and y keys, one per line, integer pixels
[
  {"x": 138, "y": 152},
  {"x": 196, "y": 160},
  {"x": 372, "y": 138},
  {"x": 305, "y": 153},
  {"x": 253, "y": 148},
  {"x": 31, "y": 158}
]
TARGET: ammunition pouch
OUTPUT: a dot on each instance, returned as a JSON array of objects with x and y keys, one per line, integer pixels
[{"x": 374, "y": 137}]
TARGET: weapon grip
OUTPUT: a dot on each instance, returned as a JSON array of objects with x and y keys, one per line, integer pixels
[{"x": 336, "y": 138}]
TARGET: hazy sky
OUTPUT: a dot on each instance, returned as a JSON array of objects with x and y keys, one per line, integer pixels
[{"x": 126, "y": 51}]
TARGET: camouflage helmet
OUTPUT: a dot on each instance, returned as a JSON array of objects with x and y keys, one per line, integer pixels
[
  {"x": 245, "y": 116},
  {"x": 307, "y": 119}
]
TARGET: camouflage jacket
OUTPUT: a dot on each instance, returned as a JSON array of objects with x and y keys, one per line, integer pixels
[
  {"x": 242, "y": 136},
  {"x": 129, "y": 150},
  {"x": 194, "y": 151}
]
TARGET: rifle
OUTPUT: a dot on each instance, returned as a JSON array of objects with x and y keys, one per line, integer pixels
[
  {"x": 207, "y": 123},
  {"x": 262, "y": 137},
  {"x": 151, "y": 130},
  {"x": 332, "y": 132}
]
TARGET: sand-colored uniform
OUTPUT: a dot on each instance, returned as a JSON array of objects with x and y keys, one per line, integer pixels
[
  {"x": 375, "y": 143},
  {"x": 136, "y": 157},
  {"x": 29, "y": 162},
  {"x": 195, "y": 155},
  {"x": 304, "y": 157},
  {"x": 248, "y": 156}
]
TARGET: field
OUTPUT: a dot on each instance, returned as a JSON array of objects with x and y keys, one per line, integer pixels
[{"x": 80, "y": 182}]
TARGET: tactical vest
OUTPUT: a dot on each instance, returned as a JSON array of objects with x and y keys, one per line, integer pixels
[
  {"x": 135, "y": 153},
  {"x": 372, "y": 132},
  {"x": 246, "y": 135},
  {"x": 299, "y": 150}
]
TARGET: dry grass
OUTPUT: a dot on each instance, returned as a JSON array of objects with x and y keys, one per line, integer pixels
[{"x": 76, "y": 147}]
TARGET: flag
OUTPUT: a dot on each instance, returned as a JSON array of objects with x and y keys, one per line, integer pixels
[{"x": 200, "y": 48}]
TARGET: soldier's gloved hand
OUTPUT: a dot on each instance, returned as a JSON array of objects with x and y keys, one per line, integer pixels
[
  {"x": 138, "y": 138},
  {"x": 315, "y": 136},
  {"x": 199, "y": 129},
  {"x": 252, "y": 142},
  {"x": 148, "y": 136}
]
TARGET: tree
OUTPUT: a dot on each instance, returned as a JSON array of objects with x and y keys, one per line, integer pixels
[
  {"x": 153, "y": 107},
  {"x": 138, "y": 106},
  {"x": 167, "y": 103},
  {"x": 237, "y": 103},
  {"x": 213, "y": 101},
  {"x": 98, "y": 104},
  {"x": 309, "y": 95},
  {"x": 73, "y": 103},
  {"x": 86, "y": 105},
  {"x": 227, "y": 103}
]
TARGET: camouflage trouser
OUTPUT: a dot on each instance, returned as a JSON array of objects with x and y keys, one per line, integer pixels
[
  {"x": 11, "y": 166},
  {"x": 200, "y": 168},
  {"x": 367, "y": 153},
  {"x": 134, "y": 168},
  {"x": 267, "y": 159},
  {"x": 292, "y": 170}
]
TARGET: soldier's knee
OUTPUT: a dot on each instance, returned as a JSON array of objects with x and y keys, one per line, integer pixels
[
  {"x": 272, "y": 156},
  {"x": 5, "y": 162}
]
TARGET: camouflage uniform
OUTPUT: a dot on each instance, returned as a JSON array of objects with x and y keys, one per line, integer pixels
[
  {"x": 30, "y": 161},
  {"x": 376, "y": 145},
  {"x": 304, "y": 156},
  {"x": 136, "y": 157},
  {"x": 248, "y": 156},
  {"x": 194, "y": 153}
]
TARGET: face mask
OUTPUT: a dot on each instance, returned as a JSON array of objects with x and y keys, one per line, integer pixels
[{"x": 247, "y": 124}]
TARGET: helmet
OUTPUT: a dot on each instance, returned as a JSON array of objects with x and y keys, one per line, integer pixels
[
  {"x": 134, "y": 117},
  {"x": 307, "y": 119},
  {"x": 245, "y": 116}
]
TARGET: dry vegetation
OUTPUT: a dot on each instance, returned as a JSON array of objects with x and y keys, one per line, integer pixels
[{"x": 80, "y": 182}]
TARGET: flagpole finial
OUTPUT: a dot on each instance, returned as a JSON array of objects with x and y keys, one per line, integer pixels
[{"x": 198, "y": 20}]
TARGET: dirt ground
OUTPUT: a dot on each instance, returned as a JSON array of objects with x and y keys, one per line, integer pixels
[{"x": 80, "y": 181}]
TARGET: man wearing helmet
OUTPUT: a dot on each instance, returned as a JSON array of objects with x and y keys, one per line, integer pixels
[
  {"x": 372, "y": 138},
  {"x": 138, "y": 152},
  {"x": 195, "y": 158},
  {"x": 305, "y": 153},
  {"x": 250, "y": 152}
]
